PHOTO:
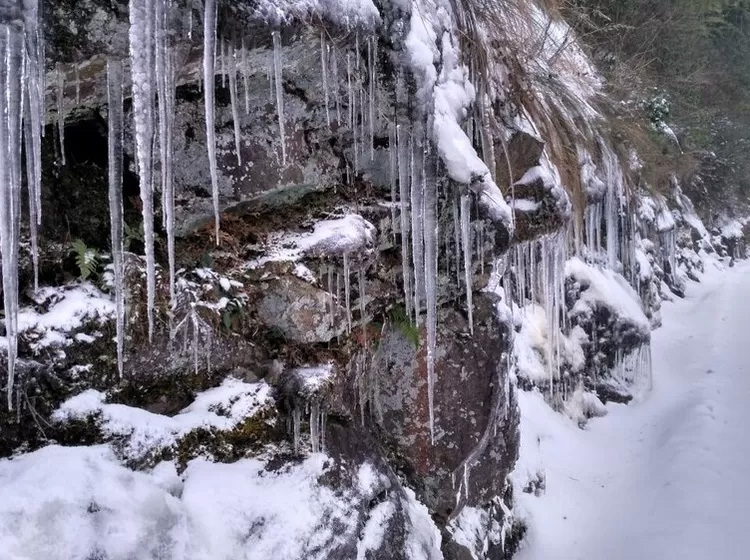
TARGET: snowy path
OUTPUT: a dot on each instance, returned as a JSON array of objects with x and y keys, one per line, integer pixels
[{"x": 669, "y": 477}]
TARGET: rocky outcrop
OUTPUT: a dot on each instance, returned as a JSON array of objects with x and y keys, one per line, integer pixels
[{"x": 542, "y": 267}]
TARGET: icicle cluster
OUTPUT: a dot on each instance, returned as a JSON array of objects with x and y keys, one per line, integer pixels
[
  {"x": 539, "y": 268},
  {"x": 21, "y": 113}
]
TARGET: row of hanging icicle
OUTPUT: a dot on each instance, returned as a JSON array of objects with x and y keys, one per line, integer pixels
[{"x": 153, "y": 74}]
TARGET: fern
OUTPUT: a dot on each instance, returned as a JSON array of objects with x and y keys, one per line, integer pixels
[
  {"x": 132, "y": 234},
  {"x": 404, "y": 324},
  {"x": 87, "y": 259}
]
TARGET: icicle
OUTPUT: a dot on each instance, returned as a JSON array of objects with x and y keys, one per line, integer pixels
[
  {"x": 190, "y": 24},
  {"x": 466, "y": 241},
  {"x": 415, "y": 165},
  {"x": 315, "y": 427},
  {"x": 430, "y": 223},
  {"x": 393, "y": 175},
  {"x": 350, "y": 90},
  {"x": 296, "y": 422},
  {"x": 457, "y": 238},
  {"x": 347, "y": 293},
  {"x": 142, "y": 68},
  {"x": 116, "y": 126},
  {"x": 61, "y": 109},
  {"x": 324, "y": 71},
  {"x": 11, "y": 108},
  {"x": 78, "y": 86},
  {"x": 355, "y": 132},
  {"x": 371, "y": 67},
  {"x": 362, "y": 304},
  {"x": 403, "y": 180},
  {"x": 245, "y": 76},
  {"x": 323, "y": 420},
  {"x": 165, "y": 78},
  {"x": 270, "y": 77},
  {"x": 335, "y": 68},
  {"x": 277, "y": 66},
  {"x": 33, "y": 124},
  {"x": 209, "y": 70},
  {"x": 31, "y": 180},
  {"x": 234, "y": 103},
  {"x": 466, "y": 481},
  {"x": 222, "y": 60}
]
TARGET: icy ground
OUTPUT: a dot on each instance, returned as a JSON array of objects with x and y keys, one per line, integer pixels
[{"x": 669, "y": 476}]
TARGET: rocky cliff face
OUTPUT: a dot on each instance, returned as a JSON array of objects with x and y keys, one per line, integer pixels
[{"x": 421, "y": 209}]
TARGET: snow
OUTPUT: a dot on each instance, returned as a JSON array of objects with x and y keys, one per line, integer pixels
[
  {"x": 665, "y": 477},
  {"x": 608, "y": 288},
  {"x": 222, "y": 408},
  {"x": 346, "y": 13},
  {"x": 529, "y": 346},
  {"x": 448, "y": 96},
  {"x": 375, "y": 529},
  {"x": 335, "y": 237},
  {"x": 78, "y": 503},
  {"x": 525, "y": 205},
  {"x": 645, "y": 270},
  {"x": 665, "y": 220},
  {"x": 732, "y": 230},
  {"x": 240, "y": 511},
  {"x": 311, "y": 379},
  {"x": 423, "y": 538},
  {"x": 69, "y": 309},
  {"x": 469, "y": 529}
]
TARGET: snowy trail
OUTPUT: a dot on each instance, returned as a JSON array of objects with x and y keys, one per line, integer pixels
[{"x": 668, "y": 477}]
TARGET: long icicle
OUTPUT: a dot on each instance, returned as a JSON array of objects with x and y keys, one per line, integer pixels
[
  {"x": 417, "y": 246},
  {"x": 245, "y": 85},
  {"x": 165, "y": 75},
  {"x": 324, "y": 71},
  {"x": 403, "y": 180},
  {"x": 33, "y": 185},
  {"x": 430, "y": 223},
  {"x": 116, "y": 125},
  {"x": 234, "y": 101},
  {"x": 60, "y": 96},
  {"x": 466, "y": 242},
  {"x": 142, "y": 16},
  {"x": 34, "y": 124},
  {"x": 209, "y": 97},
  {"x": 11, "y": 106},
  {"x": 277, "y": 67}
]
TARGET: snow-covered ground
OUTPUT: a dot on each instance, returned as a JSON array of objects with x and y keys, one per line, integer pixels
[{"x": 664, "y": 478}]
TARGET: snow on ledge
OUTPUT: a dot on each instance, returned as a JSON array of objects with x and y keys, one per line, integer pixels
[
  {"x": 732, "y": 230},
  {"x": 345, "y": 13},
  {"x": 70, "y": 308},
  {"x": 222, "y": 408},
  {"x": 349, "y": 235},
  {"x": 606, "y": 287}
]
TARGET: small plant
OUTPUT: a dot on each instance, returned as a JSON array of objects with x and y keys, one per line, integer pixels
[
  {"x": 233, "y": 310},
  {"x": 132, "y": 234},
  {"x": 404, "y": 324},
  {"x": 87, "y": 259}
]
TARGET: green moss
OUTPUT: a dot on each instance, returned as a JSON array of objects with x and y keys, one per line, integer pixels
[{"x": 250, "y": 436}]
